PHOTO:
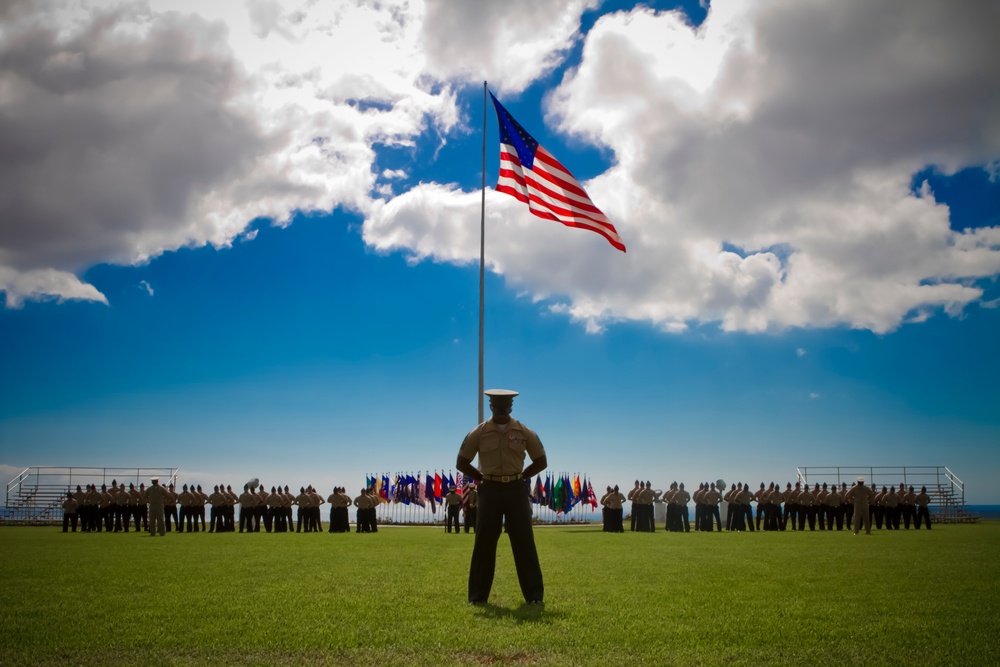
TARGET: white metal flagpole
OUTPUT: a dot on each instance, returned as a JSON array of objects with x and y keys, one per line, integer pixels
[{"x": 482, "y": 264}]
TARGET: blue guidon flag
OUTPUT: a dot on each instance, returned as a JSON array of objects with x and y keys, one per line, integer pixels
[{"x": 530, "y": 174}]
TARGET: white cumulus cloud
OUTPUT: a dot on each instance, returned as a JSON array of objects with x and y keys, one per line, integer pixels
[
  {"x": 762, "y": 169},
  {"x": 761, "y": 163}
]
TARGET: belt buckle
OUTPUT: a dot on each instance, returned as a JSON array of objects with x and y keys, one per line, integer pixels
[{"x": 508, "y": 478}]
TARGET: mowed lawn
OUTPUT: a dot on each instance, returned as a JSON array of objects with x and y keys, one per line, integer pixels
[{"x": 398, "y": 598}]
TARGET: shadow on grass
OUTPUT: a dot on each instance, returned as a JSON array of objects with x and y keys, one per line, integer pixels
[
  {"x": 582, "y": 530},
  {"x": 526, "y": 613}
]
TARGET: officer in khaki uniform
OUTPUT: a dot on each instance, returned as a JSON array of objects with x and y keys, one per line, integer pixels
[
  {"x": 642, "y": 508},
  {"x": 922, "y": 500},
  {"x": 248, "y": 509},
  {"x": 452, "y": 503},
  {"x": 833, "y": 502},
  {"x": 70, "y": 506},
  {"x": 470, "y": 503},
  {"x": 614, "y": 501},
  {"x": 362, "y": 503},
  {"x": 860, "y": 496},
  {"x": 156, "y": 495},
  {"x": 630, "y": 498},
  {"x": 711, "y": 499},
  {"x": 504, "y": 496}
]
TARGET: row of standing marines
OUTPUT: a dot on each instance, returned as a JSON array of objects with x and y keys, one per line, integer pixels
[
  {"x": 827, "y": 505},
  {"x": 158, "y": 508},
  {"x": 116, "y": 508}
]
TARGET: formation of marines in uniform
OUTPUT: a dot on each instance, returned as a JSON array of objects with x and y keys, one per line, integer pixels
[
  {"x": 826, "y": 505},
  {"x": 157, "y": 509}
]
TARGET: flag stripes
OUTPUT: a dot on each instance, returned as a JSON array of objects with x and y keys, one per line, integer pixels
[{"x": 533, "y": 176}]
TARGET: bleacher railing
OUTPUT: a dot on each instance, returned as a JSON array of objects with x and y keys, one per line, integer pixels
[
  {"x": 939, "y": 480},
  {"x": 37, "y": 492}
]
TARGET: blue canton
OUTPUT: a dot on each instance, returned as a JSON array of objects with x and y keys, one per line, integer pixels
[{"x": 512, "y": 134}]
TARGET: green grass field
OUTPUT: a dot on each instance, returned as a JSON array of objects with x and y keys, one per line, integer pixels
[{"x": 398, "y": 597}]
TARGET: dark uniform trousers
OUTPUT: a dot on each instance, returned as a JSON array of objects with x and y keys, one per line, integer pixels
[
  {"x": 923, "y": 514},
  {"x": 169, "y": 512},
  {"x": 791, "y": 512},
  {"x": 69, "y": 519},
  {"x": 246, "y": 518},
  {"x": 452, "y": 519},
  {"x": 470, "y": 519},
  {"x": 342, "y": 519},
  {"x": 712, "y": 514},
  {"x": 500, "y": 502}
]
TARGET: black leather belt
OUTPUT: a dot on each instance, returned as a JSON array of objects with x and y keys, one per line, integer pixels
[{"x": 503, "y": 479}]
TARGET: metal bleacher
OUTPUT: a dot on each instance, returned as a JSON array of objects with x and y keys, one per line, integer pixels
[
  {"x": 35, "y": 496},
  {"x": 946, "y": 490}
]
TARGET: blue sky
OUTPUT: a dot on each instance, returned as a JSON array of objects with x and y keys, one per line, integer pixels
[{"x": 803, "y": 286}]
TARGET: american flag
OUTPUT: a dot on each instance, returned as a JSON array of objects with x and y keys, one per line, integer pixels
[{"x": 530, "y": 174}]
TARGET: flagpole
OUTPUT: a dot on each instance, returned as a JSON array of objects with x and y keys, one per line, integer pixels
[{"x": 482, "y": 264}]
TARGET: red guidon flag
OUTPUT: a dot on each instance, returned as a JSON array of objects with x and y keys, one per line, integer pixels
[{"x": 530, "y": 174}]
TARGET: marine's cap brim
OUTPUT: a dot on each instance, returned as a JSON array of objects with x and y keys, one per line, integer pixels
[
  {"x": 861, "y": 479},
  {"x": 500, "y": 393},
  {"x": 154, "y": 479}
]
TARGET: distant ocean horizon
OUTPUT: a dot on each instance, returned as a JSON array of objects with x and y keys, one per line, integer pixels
[{"x": 985, "y": 511}]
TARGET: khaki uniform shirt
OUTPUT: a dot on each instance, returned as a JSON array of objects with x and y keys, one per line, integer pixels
[
  {"x": 247, "y": 500},
  {"x": 501, "y": 452},
  {"x": 70, "y": 505},
  {"x": 362, "y": 502},
  {"x": 452, "y": 498},
  {"x": 861, "y": 496},
  {"x": 631, "y": 494},
  {"x": 156, "y": 495},
  {"x": 833, "y": 499},
  {"x": 711, "y": 497},
  {"x": 922, "y": 499},
  {"x": 614, "y": 501}
]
